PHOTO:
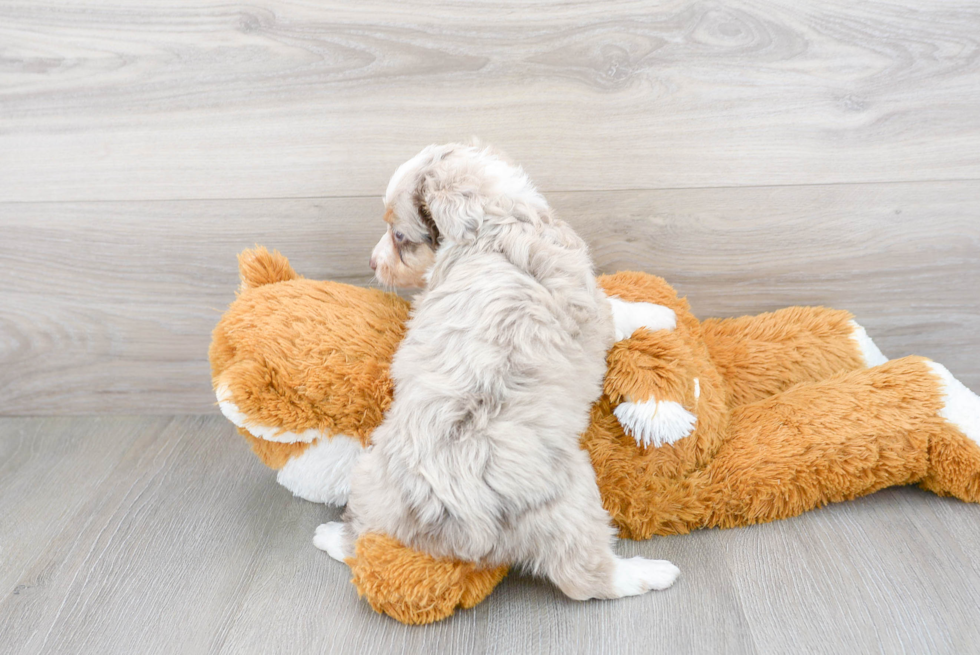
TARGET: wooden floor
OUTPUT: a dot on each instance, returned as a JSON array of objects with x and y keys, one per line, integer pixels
[
  {"x": 165, "y": 535},
  {"x": 756, "y": 153}
]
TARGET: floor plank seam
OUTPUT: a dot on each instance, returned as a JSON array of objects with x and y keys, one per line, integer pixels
[{"x": 545, "y": 191}]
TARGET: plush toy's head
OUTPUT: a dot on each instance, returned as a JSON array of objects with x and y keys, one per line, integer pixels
[{"x": 301, "y": 367}]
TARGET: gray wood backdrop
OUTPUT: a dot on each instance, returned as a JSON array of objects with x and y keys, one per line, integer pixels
[{"x": 757, "y": 154}]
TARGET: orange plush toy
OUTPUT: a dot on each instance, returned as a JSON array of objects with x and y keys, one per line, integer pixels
[{"x": 719, "y": 423}]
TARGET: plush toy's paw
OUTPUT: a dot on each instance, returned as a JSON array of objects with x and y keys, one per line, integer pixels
[
  {"x": 637, "y": 575},
  {"x": 331, "y": 538},
  {"x": 628, "y": 317},
  {"x": 655, "y": 423}
]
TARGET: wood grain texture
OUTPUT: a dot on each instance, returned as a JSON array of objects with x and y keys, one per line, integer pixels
[
  {"x": 756, "y": 153},
  {"x": 876, "y": 563},
  {"x": 108, "y": 307},
  {"x": 164, "y": 535},
  {"x": 116, "y": 99}
]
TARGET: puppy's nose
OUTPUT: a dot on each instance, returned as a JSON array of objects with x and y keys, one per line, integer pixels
[{"x": 374, "y": 264}]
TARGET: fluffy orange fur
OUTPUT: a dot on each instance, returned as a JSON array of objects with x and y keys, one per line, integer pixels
[
  {"x": 787, "y": 417},
  {"x": 298, "y": 354},
  {"x": 414, "y": 587}
]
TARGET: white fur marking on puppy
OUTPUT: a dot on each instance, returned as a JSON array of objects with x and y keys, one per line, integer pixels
[
  {"x": 321, "y": 473},
  {"x": 329, "y": 537},
  {"x": 655, "y": 422},
  {"x": 628, "y": 317},
  {"x": 697, "y": 388},
  {"x": 637, "y": 575},
  {"x": 962, "y": 406},
  {"x": 400, "y": 173},
  {"x": 236, "y": 416},
  {"x": 869, "y": 351}
]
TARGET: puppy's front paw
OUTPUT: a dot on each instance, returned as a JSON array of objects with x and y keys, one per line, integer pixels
[
  {"x": 331, "y": 538},
  {"x": 628, "y": 317},
  {"x": 637, "y": 575},
  {"x": 655, "y": 423}
]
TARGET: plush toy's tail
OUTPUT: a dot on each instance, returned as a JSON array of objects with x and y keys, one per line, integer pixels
[{"x": 258, "y": 266}]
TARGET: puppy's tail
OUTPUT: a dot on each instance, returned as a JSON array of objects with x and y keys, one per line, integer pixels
[{"x": 258, "y": 266}]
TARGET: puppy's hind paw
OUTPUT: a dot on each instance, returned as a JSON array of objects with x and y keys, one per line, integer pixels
[
  {"x": 638, "y": 575},
  {"x": 331, "y": 537}
]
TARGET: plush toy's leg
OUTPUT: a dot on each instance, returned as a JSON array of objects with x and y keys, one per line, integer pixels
[
  {"x": 652, "y": 380},
  {"x": 759, "y": 356},
  {"x": 646, "y": 376},
  {"x": 898, "y": 423},
  {"x": 414, "y": 587},
  {"x": 406, "y": 584},
  {"x": 954, "y": 452}
]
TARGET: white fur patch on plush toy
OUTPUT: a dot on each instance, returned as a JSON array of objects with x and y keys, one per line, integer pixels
[
  {"x": 869, "y": 350},
  {"x": 236, "y": 416},
  {"x": 962, "y": 405},
  {"x": 628, "y": 317},
  {"x": 321, "y": 473},
  {"x": 655, "y": 422}
]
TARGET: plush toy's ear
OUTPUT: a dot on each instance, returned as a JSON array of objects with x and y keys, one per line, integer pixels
[
  {"x": 449, "y": 195},
  {"x": 258, "y": 266}
]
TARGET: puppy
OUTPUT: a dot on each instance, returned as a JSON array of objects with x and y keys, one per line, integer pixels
[{"x": 478, "y": 456}]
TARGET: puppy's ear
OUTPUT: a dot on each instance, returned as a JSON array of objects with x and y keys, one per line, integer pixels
[
  {"x": 449, "y": 201},
  {"x": 434, "y": 237}
]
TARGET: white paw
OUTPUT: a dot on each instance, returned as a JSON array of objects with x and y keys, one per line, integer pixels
[
  {"x": 637, "y": 575},
  {"x": 331, "y": 538},
  {"x": 655, "y": 423},
  {"x": 628, "y": 317}
]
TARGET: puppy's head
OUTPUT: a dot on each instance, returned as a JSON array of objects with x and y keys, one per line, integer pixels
[
  {"x": 436, "y": 198},
  {"x": 408, "y": 247}
]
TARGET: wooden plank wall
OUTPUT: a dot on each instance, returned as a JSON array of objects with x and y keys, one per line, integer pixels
[{"x": 757, "y": 154}]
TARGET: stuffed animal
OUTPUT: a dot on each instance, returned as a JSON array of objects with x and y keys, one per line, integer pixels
[{"x": 719, "y": 423}]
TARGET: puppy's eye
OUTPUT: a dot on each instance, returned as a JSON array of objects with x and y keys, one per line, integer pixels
[{"x": 399, "y": 237}]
